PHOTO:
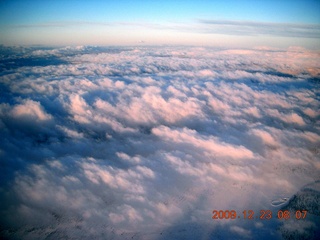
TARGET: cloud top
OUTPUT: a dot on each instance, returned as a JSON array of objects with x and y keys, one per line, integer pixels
[{"x": 145, "y": 142}]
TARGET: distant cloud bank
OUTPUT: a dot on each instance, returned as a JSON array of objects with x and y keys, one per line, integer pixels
[
  {"x": 228, "y": 27},
  {"x": 262, "y": 28}
]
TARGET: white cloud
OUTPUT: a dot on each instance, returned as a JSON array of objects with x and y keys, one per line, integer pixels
[
  {"x": 71, "y": 133},
  {"x": 30, "y": 109},
  {"x": 262, "y": 28},
  {"x": 145, "y": 142},
  {"x": 241, "y": 231},
  {"x": 265, "y": 137},
  {"x": 210, "y": 144}
]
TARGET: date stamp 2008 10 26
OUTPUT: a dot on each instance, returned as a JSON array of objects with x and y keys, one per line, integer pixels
[{"x": 263, "y": 214}]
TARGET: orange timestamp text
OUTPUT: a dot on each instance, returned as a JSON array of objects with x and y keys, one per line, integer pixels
[{"x": 262, "y": 215}]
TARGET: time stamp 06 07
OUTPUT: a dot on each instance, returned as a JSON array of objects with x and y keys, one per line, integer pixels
[{"x": 262, "y": 215}]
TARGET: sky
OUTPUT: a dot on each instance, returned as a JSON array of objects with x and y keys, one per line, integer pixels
[{"x": 206, "y": 23}]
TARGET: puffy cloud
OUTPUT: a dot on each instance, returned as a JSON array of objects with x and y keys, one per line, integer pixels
[
  {"x": 145, "y": 142},
  {"x": 30, "y": 109},
  {"x": 241, "y": 231},
  {"x": 211, "y": 145},
  {"x": 265, "y": 137}
]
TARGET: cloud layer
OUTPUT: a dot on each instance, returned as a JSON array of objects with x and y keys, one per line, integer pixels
[
  {"x": 145, "y": 142},
  {"x": 262, "y": 28},
  {"x": 208, "y": 26}
]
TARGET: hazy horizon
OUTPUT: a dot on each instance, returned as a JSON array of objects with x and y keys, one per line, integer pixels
[{"x": 239, "y": 24}]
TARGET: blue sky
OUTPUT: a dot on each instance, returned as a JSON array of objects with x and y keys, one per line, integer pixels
[{"x": 231, "y": 23}]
